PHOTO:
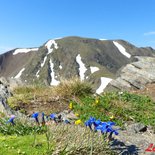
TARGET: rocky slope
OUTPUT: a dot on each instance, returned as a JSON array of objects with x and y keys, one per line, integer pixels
[
  {"x": 135, "y": 75},
  {"x": 129, "y": 142},
  {"x": 93, "y": 60}
]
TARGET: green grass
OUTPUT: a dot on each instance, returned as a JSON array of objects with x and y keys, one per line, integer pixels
[
  {"x": 20, "y": 129},
  {"x": 70, "y": 139},
  {"x": 59, "y": 139},
  {"x": 124, "y": 107},
  {"x": 13, "y": 145}
]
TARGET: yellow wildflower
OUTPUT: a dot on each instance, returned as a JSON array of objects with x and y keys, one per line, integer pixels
[
  {"x": 97, "y": 101},
  {"x": 71, "y": 105},
  {"x": 77, "y": 122},
  {"x": 112, "y": 117},
  {"x": 76, "y": 114}
]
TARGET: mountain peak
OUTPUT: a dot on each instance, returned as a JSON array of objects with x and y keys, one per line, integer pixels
[{"x": 68, "y": 57}]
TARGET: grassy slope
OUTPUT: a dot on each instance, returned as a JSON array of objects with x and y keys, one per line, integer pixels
[
  {"x": 123, "y": 106},
  {"x": 62, "y": 139},
  {"x": 22, "y": 145}
]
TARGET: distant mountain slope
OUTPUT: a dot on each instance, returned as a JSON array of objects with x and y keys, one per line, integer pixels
[{"x": 94, "y": 60}]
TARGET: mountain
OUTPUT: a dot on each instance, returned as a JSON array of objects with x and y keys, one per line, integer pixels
[{"x": 93, "y": 60}]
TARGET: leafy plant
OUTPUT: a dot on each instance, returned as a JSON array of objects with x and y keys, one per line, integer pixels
[
  {"x": 19, "y": 129},
  {"x": 123, "y": 106}
]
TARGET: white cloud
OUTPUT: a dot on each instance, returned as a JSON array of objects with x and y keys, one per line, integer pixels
[
  {"x": 149, "y": 33},
  {"x": 102, "y": 39}
]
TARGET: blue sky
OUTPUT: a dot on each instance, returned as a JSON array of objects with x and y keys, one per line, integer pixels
[{"x": 30, "y": 23}]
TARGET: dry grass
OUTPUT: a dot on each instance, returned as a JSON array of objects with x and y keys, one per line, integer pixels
[
  {"x": 40, "y": 98},
  {"x": 76, "y": 140},
  {"x": 72, "y": 87}
]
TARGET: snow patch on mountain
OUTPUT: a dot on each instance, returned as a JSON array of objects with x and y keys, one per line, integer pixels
[
  {"x": 122, "y": 49},
  {"x": 24, "y": 50},
  {"x": 60, "y": 66},
  {"x": 54, "y": 82},
  {"x": 93, "y": 69},
  {"x": 58, "y": 38},
  {"x": 37, "y": 74},
  {"x": 82, "y": 68},
  {"x": 19, "y": 74},
  {"x": 49, "y": 44},
  {"x": 104, "y": 83},
  {"x": 43, "y": 63},
  {"x": 50, "y": 50}
]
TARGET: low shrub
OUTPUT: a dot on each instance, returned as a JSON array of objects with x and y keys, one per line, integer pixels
[{"x": 72, "y": 87}]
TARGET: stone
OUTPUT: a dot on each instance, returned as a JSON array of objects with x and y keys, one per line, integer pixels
[
  {"x": 137, "y": 127},
  {"x": 135, "y": 76}
]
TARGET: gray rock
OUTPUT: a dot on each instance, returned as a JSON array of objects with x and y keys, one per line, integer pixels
[
  {"x": 129, "y": 142},
  {"x": 137, "y": 127},
  {"x": 4, "y": 108},
  {"x": 135, "y": 75},
  {"x": 4, "y": 94}
]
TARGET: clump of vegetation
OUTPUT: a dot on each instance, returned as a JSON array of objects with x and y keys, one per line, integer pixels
[
  {"x": 121, "y": 107},
  {"x": 58, "y": 139},
  {"x": 20, "y": 128},
  {"x": 27, "y": 94},
  {"x": 72, "y": 87},
  {"x": 68, "y": 139},
  {"x": 65, "y": 90}
]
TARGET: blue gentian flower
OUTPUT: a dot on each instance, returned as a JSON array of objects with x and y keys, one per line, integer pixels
[
  {"x": 35, "y": 115},
  {"x": 11, "y": 120},
  {"x": 97, "y": 123},
  {"x": 90, "y": 122},
  {"x": 104, "y": 127},
  {"x": 53, "y": 116},
  {"x": 110, "y": 123}
]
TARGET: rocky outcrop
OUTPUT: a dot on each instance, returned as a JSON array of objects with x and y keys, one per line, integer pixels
[
  {"x": 129, "y": 142},
  {"x": 135, "y": 75},
  {"x": 4, "y": 108},
  {"x": 4, "y": 94}
]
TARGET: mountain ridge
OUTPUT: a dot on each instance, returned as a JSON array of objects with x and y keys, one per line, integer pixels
[{"x": 68, "y": 57}]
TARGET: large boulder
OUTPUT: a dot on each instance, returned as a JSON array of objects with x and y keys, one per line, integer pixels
[{"x": 135, "y": 75}]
